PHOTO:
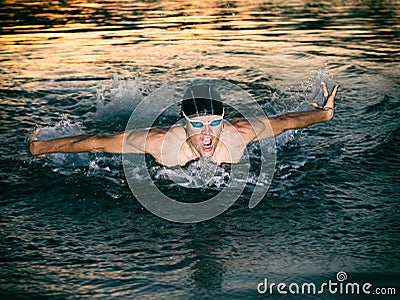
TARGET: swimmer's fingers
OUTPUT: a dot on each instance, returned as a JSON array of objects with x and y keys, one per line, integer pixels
[
  {"x": 325, "y": 91},
  {"x": 330, "y": 102},
  {"x": 326, "y": 95},
  {"x": 34, "y": 135},
  {"x": 316, "y": 105},
  {"x": 329, "y": 99}
]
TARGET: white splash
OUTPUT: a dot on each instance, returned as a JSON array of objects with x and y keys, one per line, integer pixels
[{"x": 120, "y": 100}]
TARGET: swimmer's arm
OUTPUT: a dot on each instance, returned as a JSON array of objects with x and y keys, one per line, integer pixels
[
  {"x": 137, "y": 141},
  {"x": 269, "y": 127},
  {"x": 79, "y": 143}
]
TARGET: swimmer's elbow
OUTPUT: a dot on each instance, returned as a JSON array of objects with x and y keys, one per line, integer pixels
[
  {"x": 107, "y": 143},
  {"x": 98, "y": 143},
  {"x": 98, "y": 150},
  {"x": 281, "y": 124}
]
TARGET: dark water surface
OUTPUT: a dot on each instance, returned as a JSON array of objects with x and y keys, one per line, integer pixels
[{"x": 70, "y": 227}]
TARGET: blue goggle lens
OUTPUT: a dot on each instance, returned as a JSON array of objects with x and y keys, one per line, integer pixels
[
  {"x": 199, "y": 124},
  {"x": 215, "y": 122},
  {"x": 196, "y": 124}
]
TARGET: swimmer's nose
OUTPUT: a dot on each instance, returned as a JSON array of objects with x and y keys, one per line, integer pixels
[{"x": 206, "y": 129}]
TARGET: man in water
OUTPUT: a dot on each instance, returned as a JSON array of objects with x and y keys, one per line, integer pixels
[{"x": 205, "y": 134}]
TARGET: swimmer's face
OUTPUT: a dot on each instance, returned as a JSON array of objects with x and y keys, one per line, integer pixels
[{"x": 204, "y": 133}]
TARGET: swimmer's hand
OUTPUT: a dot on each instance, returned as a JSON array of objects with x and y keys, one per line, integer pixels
[
  {"x": 329, "y": 100},
  {"x": 33, "y": 138}
]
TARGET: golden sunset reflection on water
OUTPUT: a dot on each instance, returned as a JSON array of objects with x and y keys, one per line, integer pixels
[{"x": 72, "y": 35}]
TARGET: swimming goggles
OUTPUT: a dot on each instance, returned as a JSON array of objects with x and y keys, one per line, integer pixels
[{"x": 199, "y": 124}]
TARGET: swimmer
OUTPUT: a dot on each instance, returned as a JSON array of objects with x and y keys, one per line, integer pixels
[{"x": 205, "y": 133}]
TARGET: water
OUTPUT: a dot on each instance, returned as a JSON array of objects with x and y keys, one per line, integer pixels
[{"x": 70, "y": 226}]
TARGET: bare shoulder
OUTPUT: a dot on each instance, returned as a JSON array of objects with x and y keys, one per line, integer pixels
[
  {"x": 156, "y": 133},
  {"x": 247, "y": 129},
  {"x": 164, "y": 144},
  {"x": 177, "y": 131},
  {"x": 165, "y": 136},
  {"x": 239, "y": 122}
]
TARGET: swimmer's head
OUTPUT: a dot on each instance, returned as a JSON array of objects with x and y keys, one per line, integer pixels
[
  {"x": 202, "y": 100},
  {"x": 203, "y": 105}
]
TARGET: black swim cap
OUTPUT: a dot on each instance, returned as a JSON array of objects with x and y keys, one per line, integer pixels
[{"x": 202, "y": 100}]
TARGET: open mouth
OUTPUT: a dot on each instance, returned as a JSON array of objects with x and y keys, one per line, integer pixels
[{"x": 207, "y": 144}]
